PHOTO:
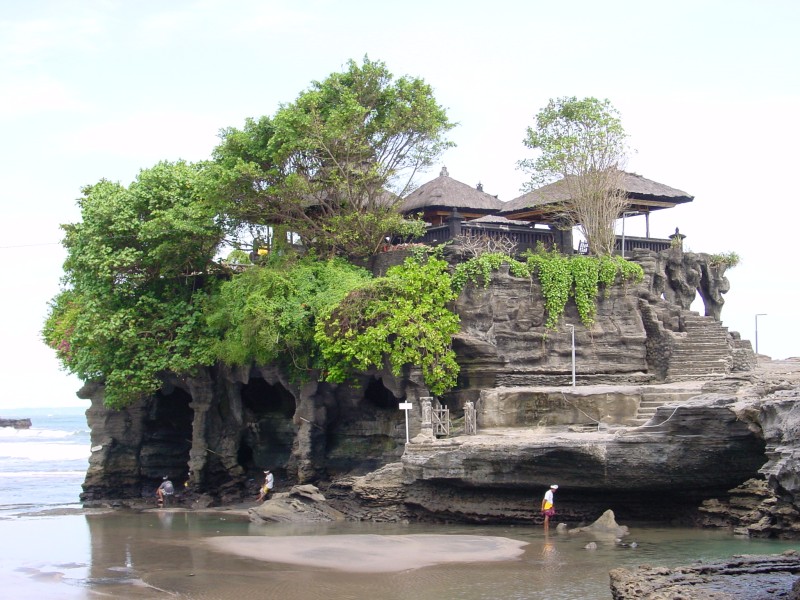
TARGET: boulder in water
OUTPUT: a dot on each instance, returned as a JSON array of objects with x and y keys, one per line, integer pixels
[{"x": 605, "y": 525}]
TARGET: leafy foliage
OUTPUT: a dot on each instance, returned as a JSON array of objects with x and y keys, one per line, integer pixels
[
  {"x": 136, "y": 272},
  {"x": 329, "y": 164},
  {"x": 561, "y": 278},
  {"x": 726, "y": 259},
  {"x": 403, "y": 318},
  {"x": 268, "y": 314},
  {"x": 581, "y": 143}
]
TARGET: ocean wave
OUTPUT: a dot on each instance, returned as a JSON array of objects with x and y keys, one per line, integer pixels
[
  {"x": 7, "y": 433},
  {"x": 40, "y": 474},
  {"x": 44, "y": 451}
]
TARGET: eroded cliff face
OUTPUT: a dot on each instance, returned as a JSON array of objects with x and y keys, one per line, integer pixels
[{"x": 219, "y": 429}]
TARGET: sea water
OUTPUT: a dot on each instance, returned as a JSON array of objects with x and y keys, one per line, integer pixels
[{"x": 43, "y": 467}]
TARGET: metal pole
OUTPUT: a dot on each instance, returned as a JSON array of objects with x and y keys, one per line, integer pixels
[
  {"x": 623, "y": 242},
  {"x": 572, "y": 327},
  {"x": 758, "y": 315},
  {"x": 625, "y": 214}
]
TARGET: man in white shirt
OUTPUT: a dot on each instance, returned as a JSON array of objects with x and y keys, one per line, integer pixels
[{"x": 548, "y": 505}]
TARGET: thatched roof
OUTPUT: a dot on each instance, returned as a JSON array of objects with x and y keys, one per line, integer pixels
[
  {"x": 636, "y": 187},
  {"x": 447, "y": 193}
]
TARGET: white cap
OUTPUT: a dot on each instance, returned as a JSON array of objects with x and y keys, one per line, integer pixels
[{"x": 554, "y": 487}]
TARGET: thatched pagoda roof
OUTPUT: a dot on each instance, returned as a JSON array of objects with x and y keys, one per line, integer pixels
[
  {"x": 644, "y": 194},
  {"x": 447, "y": 193}
]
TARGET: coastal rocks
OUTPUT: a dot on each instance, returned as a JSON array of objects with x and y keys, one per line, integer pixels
[
  {"x": 767, "y": 505},
  {"x": 746, "y": 576},
  {"x": 752, "y": 509},
  {"x": 302, "y": 504},
  {"x": 16, "y": 423},
  {"x": 504, "y": 341},
  {"x": 218, "y": 429},
  {"x": 606, "y": 525},
  {"x": 684, "y": 451}
]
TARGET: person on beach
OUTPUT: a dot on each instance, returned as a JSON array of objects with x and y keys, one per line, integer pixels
[
  {"x": 548, "y": 505},
  {"x": 269, "y": 482},
  {"x": 165, "y": 489}
]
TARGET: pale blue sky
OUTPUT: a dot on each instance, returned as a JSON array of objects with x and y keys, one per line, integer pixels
[{"x": 709, "y": 92}]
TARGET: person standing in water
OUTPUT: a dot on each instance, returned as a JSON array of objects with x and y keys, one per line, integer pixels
[
  {"x": 269, "y": 483},
  {"x": 548, "y": 505}
]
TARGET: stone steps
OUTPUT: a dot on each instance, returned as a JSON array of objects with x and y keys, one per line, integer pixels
[{"x": 701, "y": 350}]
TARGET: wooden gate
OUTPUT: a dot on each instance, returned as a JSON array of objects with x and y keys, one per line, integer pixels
[{"x": 441, "y": 421}]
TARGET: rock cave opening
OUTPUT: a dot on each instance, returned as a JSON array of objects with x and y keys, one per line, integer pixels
[
  {"x": 167, "y": 438},
  {"x": 268, "y": 432},
  {"x": 368, "y": 435}
]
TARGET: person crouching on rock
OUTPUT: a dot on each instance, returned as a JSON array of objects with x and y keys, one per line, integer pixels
[
  {"x": 165, "y": 489},
  {"x": 548, "y": 506},
  {"x": 269, "y": 482}
]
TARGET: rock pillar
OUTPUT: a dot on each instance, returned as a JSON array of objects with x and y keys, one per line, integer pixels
[{"x": 426, "y": 426}]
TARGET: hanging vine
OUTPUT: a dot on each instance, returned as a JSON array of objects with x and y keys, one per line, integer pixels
[{"x": 561, "y": 278}]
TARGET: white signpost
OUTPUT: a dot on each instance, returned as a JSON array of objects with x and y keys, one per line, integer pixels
[{"x": 406, "y": 406}]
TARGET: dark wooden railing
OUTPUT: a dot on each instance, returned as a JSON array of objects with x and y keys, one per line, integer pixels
[
  {"x": 639, "y": 243},
  {"x": 528, "y": 237},
  {"x": 525, "y": 237}
]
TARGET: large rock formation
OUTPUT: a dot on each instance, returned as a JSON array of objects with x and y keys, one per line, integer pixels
[{"x": 627, "y": 437}]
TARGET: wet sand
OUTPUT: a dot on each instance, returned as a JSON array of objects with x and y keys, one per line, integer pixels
[
  {"x": 222, "y": 556},
  {"x": 372, "y": 553}
]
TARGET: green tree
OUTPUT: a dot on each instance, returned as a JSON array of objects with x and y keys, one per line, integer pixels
[
  {"x": 332, "y": 165},
  {"x": 136, "y": 278},
  {"x": 402, "y": 318},
  {"x": 268, "y": 314},
  {"x": 582, "y": 144}
]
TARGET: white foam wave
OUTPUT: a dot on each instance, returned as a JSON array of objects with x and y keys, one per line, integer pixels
[
  {"x": 39, "y": 474},
  {"x": 36, "y": 434},
  {"x": 44, "y": 451}
]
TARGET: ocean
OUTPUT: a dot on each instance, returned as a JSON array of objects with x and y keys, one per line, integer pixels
[{"x": 43, "y": 467}]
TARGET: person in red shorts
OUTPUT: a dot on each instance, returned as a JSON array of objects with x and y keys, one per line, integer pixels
[{"x": 548, "y": 505}]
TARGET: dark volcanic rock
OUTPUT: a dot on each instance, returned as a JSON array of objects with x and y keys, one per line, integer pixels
[
  {"x": 16, "y": 423},
  {"x": 751, "y": 577},
  {"x": 623, "y": 438}
]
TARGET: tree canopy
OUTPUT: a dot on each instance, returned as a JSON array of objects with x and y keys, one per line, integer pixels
[
  {"x": 331, "y": 166},
  {"x": 146, "y": 292},
  {"x": 137, "y": 276},
  {"x": 583, "y": 144}
]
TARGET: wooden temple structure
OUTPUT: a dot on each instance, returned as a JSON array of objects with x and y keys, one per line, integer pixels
[{"x": 452, "y": 208}]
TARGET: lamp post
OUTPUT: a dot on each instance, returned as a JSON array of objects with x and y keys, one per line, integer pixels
[
  {"x": 572, "y": 328},
  {"x": 758, "y": 315}
]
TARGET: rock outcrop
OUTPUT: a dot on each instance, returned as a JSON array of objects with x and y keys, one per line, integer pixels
[
  {"x": 302, "y": 504},
  {"x": 631, "y": 435},
  {"x": 16, "y": 423},
  {"x": 751, "y": 577}
]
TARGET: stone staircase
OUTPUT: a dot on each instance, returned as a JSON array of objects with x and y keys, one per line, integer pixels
[
  {"x": 652, "y": 400},
  {"x": 701, "y": 350}
]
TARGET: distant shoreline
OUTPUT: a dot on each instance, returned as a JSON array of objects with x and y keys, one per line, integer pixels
[{"x": 16, "y": 423}]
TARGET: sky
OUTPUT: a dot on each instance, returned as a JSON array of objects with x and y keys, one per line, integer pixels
[{"x": 708, "y": 91}]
